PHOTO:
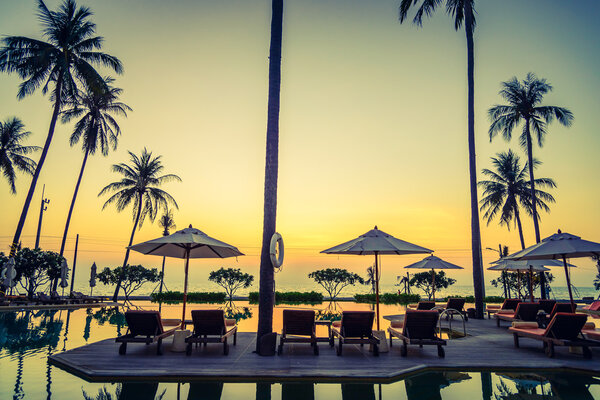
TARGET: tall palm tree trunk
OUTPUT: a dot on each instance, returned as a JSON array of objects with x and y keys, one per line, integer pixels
[
  {"x": 64, "y": 238},
  {"x": 519, "y": 226},
  {"x": 38, "y": 168},
  {"x": 266, "y": 294},
  {"x": 478, "y": 284},
  {"x": 135, "y": 225},
  {"x": 536, "y": 224}
]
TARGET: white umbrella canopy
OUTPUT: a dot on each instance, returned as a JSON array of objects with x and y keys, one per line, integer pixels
[
  {"x": 559, "y": 246},
  {"x": 376, "y": 242},
  {"x": 9, "y": 273},
  {"x": 93, "y": 278},
  {"x": 432, "y": 262},
  {"x": 64, "y": 271},
  {"x": 187, "y": 243}
]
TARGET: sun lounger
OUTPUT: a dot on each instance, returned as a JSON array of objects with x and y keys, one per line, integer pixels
[
  {"x": 210, "y": 326},
  {"x": 563, "y": 330},
  {"x": 508, "y": 304},
  {"x": 57, "y": 298},
  {"x": 145, "y": 327},
  {"x": 547, "y": 305},
  {"x": 82, "y": 298},
  {"x": 524, "y": 312},
  {"x": 595, "y": 306},
  {"x": 300, "y": 326},
  {"x": 44, "y": 299},
  {"x": 590, "y": 332},
  {"x": 425, "y": 305},
  {"x": 356, "y": 327},
  {"x": 418, "y": 328},
  {"x": 544, "y": 320},
  {"x": 454, "y": 306}
]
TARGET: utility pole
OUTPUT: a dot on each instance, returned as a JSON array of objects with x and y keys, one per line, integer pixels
[
  {"x": 43, "y": 208},
  {"x": 74, "y": 265}
]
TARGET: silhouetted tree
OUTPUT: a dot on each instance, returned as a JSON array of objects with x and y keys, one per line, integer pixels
[{"x": 12, "y": 153}]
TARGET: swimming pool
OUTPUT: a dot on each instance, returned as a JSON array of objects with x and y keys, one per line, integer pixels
[{"x": 28, "y": 337}]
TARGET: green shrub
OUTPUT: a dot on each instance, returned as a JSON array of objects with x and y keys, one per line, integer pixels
[
  {"x": 192, "y": 297},
  {"x": 471, "y": 299},
  {"x": 291, "y": 297},
  {"x": 388, "y": 298}
]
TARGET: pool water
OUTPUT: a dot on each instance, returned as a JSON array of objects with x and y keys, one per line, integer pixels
[{"x": 28, "y": 337}]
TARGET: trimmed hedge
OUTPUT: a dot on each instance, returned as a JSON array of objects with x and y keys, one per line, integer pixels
[
  {"x": 471, "y": 299},
  {"x": 192, "y": 297},
  {"x": 291, "y": 298},
  {"x": 388, "y": 298}
]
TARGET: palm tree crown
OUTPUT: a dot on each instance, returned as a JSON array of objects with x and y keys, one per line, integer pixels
[
  {"x": 66, "y": 55},
  {"x": 455, "y": 8},
  {"x": 13, "y": 153},
  {"x": 508, "y": 188},
  {"x": 167, "y": 222},
  {"x": 97, "y": 124},
  {"x": 524, "y": 100},
  {"x": 140, "y": 185}
]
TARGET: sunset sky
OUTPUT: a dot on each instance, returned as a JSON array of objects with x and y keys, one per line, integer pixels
[{"x": 372, "y": 127}]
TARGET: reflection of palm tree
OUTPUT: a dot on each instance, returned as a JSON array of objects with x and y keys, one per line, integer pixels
[
  {"x": 86, "y": 330},
  {"x": 128, "y": 391},
  {"x": 358, "y": 391},
  {"x": 205, "y": 391}
]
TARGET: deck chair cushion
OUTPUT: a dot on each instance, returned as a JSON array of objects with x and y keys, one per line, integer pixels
[{"x": 525, "y": 325}]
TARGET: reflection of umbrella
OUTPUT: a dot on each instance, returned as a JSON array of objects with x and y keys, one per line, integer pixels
[
  {"x": 92, "y": 277},
  {"x": 432, "y": 262},
  {"x": 428, "y": 385},
  {"x": 559, "y": 246},
  {"x": 376, "y": 242},
  {"x": 64, "y": 271},
  {"x": 358, "y": 391},
  {"x": 187, "y": 243},
  {"x": 9, "y": 273},
  {"x": 525, "y": 380}
]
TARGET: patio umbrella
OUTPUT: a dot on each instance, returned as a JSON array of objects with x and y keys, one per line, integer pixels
[
  {"x": 92, "y": 278},
  {"x": 376, "y": 242},
  {"x": 556, "y": 247},
  {"x": 64, "y": 271},
  {"x": 432, "y": 262},
  {"x": 187, "y": 243},
  {"x": 531, "y": 266}
]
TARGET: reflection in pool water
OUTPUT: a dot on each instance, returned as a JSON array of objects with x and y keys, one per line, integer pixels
[{"x": 28, "y": 337}]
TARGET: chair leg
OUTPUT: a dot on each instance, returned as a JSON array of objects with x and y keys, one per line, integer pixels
[
  {"x": 188, "y": 349},
  {"x": 205, "y": 340},
  {"x": 362, "y": 343},
  {"x": 123, "y": 348},
  {"x": 159, "y": 347},
  {"x": 550, "y": 350},
  {"x": 375, "y": 349},
  {"x": 390, "y": 340},
  {"x": 235, "y": 338},
  {"x": 441, "y": 351},
  {"x": 339, "y": 349},
  {"x": 404, "y": 349},
  {"x": 587, "y": 353},
  {"x": 516, "y": 339},
  {"x": 280, "y": 348},
  {"x": 498, "y": 322},
  {"x": 316, "y": 349}
]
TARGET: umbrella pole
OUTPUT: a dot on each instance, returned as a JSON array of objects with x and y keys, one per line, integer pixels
[
  {"x": 530, "y": 286},
  {"x": 568, "y": 281},
  {"x": 377, "y": 288},
  {"x": 185, "y": 287}
]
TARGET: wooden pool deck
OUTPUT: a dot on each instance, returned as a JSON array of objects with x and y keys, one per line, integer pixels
[{"x": 486, "y": 348}]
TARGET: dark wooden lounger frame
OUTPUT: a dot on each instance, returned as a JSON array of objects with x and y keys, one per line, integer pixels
[
  {"x": 508, "y": 304},
  {"x": 301, "y": 325},
  {"x": 144, "y": 327},
  {"x": 524, "y": 312},
  {"x": 210, "y": 327},
  {"x": 418, "y": 329},
  {"x": 356, "y": 328},
  {"x": 563, "y": 330},
  {"x": 454, "y": 306}
]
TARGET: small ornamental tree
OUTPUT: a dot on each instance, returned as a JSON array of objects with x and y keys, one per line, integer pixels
[
  {"x": 231, "y": 279},
  {"x": 422, "y": 280},
  {"x": 518, "y": 283},
  {"x": 334, "y": 280},
  {"x": 597, "y": 279},
  {"x": 132, "y": 277},
  {"x": 36, "y": 268}
]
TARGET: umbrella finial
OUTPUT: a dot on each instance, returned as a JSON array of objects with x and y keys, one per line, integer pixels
[
  {"x": 190, "y": 225},
  {"x": 375, "y": 226},
  {"x": 559, "y": 231}
]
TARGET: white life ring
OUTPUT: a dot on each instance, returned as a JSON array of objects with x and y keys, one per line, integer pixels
[{"x": 276, "y": 240}]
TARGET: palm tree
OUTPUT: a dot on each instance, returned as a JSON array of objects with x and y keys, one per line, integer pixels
[
  {"x": 13, "y": 153},
  {"x": 462, "y": 11},
  {"x": 139, "y": 185},
  {"x": 524, "y": 100},
  {"x": 67, "y": 55},
  {"x": 266, "y": 296},
  {"x": 97, "y": 127},
  {"x": 508, "y": 187},
  {"x": 166, "y": 222}
]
